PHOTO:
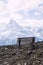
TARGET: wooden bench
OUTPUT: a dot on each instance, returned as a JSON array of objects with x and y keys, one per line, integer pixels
[{"x": 26, "y": 40}]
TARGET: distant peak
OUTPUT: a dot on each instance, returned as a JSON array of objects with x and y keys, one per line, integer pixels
[{"x": 13, "y": 22}]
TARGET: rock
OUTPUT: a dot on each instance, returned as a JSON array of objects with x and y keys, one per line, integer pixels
[
  {"x": 12, "y": 55},
  {"x": 5, "y": 63},
  {"x": 29, "y": 52},
  {"x": 6, "y": 48},
  {"x": 18, "y": 64},
  {"x": 26, "y": 63}
]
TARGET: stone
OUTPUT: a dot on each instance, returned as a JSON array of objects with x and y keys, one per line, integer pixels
[
  {"x": 18, "y": 64},
  {"x": 29, "y": 52},
  {"x": 5, "y": 62},
  {"x": 12, "y": 55}
]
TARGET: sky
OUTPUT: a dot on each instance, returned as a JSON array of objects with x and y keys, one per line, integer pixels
[{"x": 24, "y": 12}]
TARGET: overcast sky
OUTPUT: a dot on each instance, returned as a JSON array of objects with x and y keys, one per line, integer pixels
[{"x": 24, "y": 12}]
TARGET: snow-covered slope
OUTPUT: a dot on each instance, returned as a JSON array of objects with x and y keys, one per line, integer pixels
[
  {"x": 15, "y": 29},
  {"x": 37, "y": 31},
  {"x": 10, "y": 32}
]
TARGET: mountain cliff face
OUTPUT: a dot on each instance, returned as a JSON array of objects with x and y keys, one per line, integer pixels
[{"x": 9, "y": 33}]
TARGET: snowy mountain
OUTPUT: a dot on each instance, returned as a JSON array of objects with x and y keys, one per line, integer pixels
[
  {"x": 9, "y": 33},
  {"x": 37, "y": 31},
  {"x": 16, "y": 30}
]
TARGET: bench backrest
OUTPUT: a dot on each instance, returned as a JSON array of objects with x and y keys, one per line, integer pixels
[{"x": 26, "y": 40}]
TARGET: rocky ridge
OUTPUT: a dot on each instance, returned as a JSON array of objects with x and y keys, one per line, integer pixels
[{"x": 13, "y": 55}]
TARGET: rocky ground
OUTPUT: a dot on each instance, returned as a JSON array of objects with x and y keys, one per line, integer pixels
[{"x": 13, "y": 55}]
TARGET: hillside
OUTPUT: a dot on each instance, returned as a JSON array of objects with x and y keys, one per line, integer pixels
[{"x": 13, "y": 55}]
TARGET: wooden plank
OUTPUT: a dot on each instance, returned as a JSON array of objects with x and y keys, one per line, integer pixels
[{"x": 25, "y": 40}]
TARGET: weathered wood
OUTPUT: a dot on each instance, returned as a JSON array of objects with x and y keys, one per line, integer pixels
[
  {"x": 32, "y": 44},
  {"x": 19, "y": 40},
  {"x": 25, "y": 40}
]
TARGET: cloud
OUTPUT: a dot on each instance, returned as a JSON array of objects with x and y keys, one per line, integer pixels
[
  {"x": 17, "y": 5},
  {"x": 3, "y": 9},
  {"x": 4, "y": 1},
  {"x": 4, "y": 14},
  {"x": 1, "y": 6},
  {"x": 31, "y": 22},
  {"x": 10, "y": 11},
  {"x": 37, "y": 13}
]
